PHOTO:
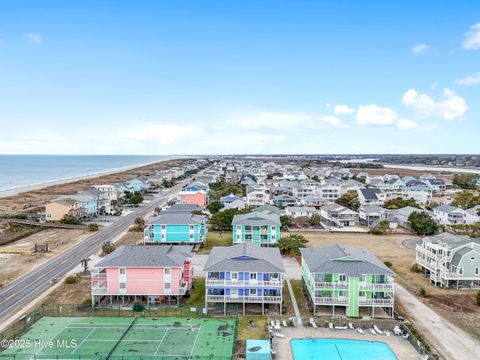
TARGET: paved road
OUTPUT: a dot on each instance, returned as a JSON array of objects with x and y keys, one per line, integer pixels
[
  {"x": 27, "y": 287},
  {"x": 452, "y": 342}
]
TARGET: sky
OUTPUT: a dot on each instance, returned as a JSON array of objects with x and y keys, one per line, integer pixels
[{"x": 239, "y": 77}]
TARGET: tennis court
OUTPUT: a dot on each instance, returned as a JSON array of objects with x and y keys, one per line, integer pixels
[{"x": 124, "y": 338}]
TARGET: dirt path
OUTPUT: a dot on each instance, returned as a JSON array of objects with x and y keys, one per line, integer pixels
[{"x": 452, "y": 342}]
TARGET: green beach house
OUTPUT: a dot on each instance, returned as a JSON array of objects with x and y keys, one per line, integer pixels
[
  {"x": 258, "y": 228},
  {"x": 347, "y": 278}
]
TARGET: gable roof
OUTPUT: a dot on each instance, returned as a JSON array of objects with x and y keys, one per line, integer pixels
[
  {"x": 177, "y": 218},
  {"x": 269, "y": 209},
  {"x": 448, "y": 240},
  {"x": 147, "y": 256},
  {"x": 185, "y": 208},
  {"x": 256, "y": 218},
  {"x": 244, "y": 257},
  {"x": 338, "y": 259}
]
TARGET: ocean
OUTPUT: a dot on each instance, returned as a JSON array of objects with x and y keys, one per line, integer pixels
[{"x": 18, "y": 171}]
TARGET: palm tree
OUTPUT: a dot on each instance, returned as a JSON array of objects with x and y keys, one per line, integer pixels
[{"x": 84, "y": 263}]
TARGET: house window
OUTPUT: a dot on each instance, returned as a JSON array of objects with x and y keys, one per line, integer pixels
[
  {"x": 342, "y": 278},
  {"x": 191, "y": 236},
  {"x": 122, "y": 271},
  {"x": 477, "y": 271},
  {"x": 253, "y": 276},
  {"x": 191, "y": 227},
  {"x": 168, "y": 285},
  {"x": 123, "y": 285},
  {"x": 274, "y": 228},
  {"x": 460, "y": 271},
  {"x": 168, "y": 271},
  {"x": 362, "y": 278},
  {"x": 163, "y": 227},
  {"x": 472, "y": 258},
  {"x": 253, "y": 292},
  {"x": 234, "y": 276}
]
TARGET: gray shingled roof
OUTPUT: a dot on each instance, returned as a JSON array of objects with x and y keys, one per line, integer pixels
[
  {"x": 244, "y": 257},
  {"x": 448, "y": 240},
  {"x": 459, "y": 255},
  {"x": 185, "y": 207},
  {"x": 177, "y": 218},
  {"x": 327, "y": 260},
  {"x": 370, "y": 194},
  {"x": 147, "y": 256},
  {"x": 256, "y": 219}
]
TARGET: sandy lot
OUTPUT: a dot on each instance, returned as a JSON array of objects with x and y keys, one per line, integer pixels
[
  {"x": 455, "y": 305},
  {"x": 58, "y": 240}
]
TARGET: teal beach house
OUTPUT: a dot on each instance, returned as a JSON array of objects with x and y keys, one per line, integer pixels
[{"x": 173, "y": 227}]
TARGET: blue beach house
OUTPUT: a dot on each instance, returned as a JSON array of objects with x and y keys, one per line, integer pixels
[
  {"x": 244, "y": 274},
  {"x": 176, "y": 227}
]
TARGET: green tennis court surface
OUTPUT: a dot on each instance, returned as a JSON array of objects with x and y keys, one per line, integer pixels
[{"x": 123, "y": 338}]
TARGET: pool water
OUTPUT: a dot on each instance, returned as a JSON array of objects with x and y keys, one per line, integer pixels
[{"x": 340, "y": 349}]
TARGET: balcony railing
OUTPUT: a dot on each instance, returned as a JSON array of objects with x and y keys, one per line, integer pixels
[
  {"x": 331, "y": 285},
  {"x": 320, "y": 300},
  {"x": 242, "y": 298},
  {"x": 99, "y": 290},
  {"x": 379, "y": 302},
  {"x": 219, "y": 282},
  {"x": 376, "y": 286}
]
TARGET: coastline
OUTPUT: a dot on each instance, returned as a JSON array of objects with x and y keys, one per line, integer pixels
[
  {"x": 39, "y": 186},
  {"x": 33, "y": 198}
]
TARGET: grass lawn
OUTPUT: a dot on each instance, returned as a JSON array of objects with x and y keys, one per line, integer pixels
[
  {"x": 245, "y": 331},
  {"x": 197, "y": 296},
  {"x": 287, "y": 302},
  {"x": 297, "y": 286},
  {"x": 217, "y": 238}
]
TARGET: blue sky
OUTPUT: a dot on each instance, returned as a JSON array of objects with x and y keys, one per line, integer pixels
[{"x": 163, "y": 77}]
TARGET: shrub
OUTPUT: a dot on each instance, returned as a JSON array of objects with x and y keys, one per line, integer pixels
[
  {"x": 478, "y": 298},
  {"x": 92, "y": 227},
  {"x": 388, "y": 264},
  {"x": 422, "y": 292},
  {"x": 377, "y": 231},
  {"x": 415, "y": 268},
  {"x": 138, "y": 307},
  {"x": 87, "y": 300},
  {"x": 72, "y": 279},
  {"x": 70, "y": 220},
  {"x": 108, "y": 247}
]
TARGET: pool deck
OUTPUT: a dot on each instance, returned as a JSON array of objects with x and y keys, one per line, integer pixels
[{"x": 401, "y": 347}]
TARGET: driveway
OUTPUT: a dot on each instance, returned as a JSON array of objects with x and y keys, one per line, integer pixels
[
  {"x": 448, "y": 339},
  {"x": 412, "y": 243}
]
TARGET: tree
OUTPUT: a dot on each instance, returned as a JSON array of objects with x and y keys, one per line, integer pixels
[
  {"x": 285, "y": 221},
  {"x": 114, "y": 203},
  {"x": 399, "y": 203},
  {"x": 136, "y": 199},
  {"x": 70, "y": 220},
  {"x": 315, "y": 219},
  {"x": 223, "y": 219},
  {"x": 215, "y": 206},
  {"x": 466, "y": 200},
  {"x": 422, "y": 223},
  {"x": 466, "y": 181},
  {"x": 108, "y": 247},
  {"x": 349, "y": 200},
  {"x": 291, "y": 244},
  {"x": 140, "y": 222}
]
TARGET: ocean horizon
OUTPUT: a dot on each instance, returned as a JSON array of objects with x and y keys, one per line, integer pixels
[{"x": 18, "y": 171}]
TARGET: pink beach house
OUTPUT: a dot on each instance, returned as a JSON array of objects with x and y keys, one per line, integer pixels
[
  {"x": 150, "y": 274},
  {"x": 192, "y": 197}
]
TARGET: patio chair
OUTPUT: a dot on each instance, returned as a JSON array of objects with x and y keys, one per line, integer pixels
[
  {"x": 360, "y": 331},
  {"x": 350, "y": 326},
  {"x": 277, "y": 325},
  {"x": 284, "y": 323},
  {"x": 397, "y": 331},
  {"x": 380, "y": 332},
  {"x": 372, "y": 331},
  {"x": 281, "y": 336},
  {"x": 330, "y": 326},
  {"x": 387, "y": 332}
]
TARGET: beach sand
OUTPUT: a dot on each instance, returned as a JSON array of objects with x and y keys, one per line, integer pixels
[{"x": 33, "y": 198}]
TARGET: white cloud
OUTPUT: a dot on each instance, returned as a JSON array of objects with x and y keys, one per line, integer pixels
[
  {"x": 34, "y": 38},
  {"x": 334, "y": 121},
  {"x": 419, "y": 48},
  {"x": 357, "y": 149},
  {"x": 375, "y": 115},
  {"x": 343, "y": 109},
  {"x": 405, "y": 124},
  {"x": 451, "y": 107},
  {"x": 271, "y": 120},
  {"x": 472, "y": 38},
  {"x": 164, "y": 134},
  {"x": 469, "y": 80},
  {"x": 280, "y": 138}
]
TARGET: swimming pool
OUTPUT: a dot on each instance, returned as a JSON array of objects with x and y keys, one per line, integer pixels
[{"x": 340, "y": 349}]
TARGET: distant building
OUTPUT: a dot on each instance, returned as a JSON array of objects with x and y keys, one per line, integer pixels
[
  {"x": 192, "y": 197},
  {"x": 176, "y": 227},
  {"x": 258, "y": 228}
]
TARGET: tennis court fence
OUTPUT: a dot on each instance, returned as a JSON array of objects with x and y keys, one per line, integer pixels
[{"x": 26, "y": 321}]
